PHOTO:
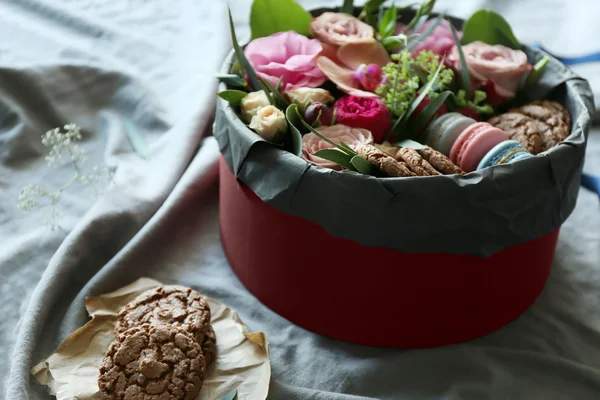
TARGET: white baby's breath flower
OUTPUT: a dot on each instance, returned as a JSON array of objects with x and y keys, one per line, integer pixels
[{"x": 63, "y": 145}]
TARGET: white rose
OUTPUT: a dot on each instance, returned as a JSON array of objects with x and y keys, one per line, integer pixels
[
  {"x": 305, "y": 96},
  {"x": 269, "y": 122},
  {"x": 252, "y": 102}
]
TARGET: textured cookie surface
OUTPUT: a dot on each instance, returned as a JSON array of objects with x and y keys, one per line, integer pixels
[
  {"x": 174, "y": 305},
  {"x": 558, "y": 109},
  {"x": 415, "y": 162},
  {"x": 152, "y": 362},
  {"x": 521, "y": 128},
  {"x": 439, "y": 161},
  {"x": 552, "y": 129},
  {"x": 209, "y": 346},
  {"x": 384, "y": 161}
]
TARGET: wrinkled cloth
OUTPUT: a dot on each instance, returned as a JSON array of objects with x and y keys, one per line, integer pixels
[{"x": 108, "y": 65}]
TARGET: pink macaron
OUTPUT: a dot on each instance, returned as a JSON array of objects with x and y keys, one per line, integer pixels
[{"x": 474, "y": 143}]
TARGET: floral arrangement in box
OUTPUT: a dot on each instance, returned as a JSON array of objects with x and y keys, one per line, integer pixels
[{"x": 367, "y": 93}]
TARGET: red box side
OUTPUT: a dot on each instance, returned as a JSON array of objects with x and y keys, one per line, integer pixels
[{"x": 371, "y": 295}]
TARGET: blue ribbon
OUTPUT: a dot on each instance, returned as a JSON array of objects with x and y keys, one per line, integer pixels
[
  {"x": 586, "y": 58},
  {"x": 591, "y": 183}
]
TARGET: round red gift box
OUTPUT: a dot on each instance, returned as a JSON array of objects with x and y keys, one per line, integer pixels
[{"x": 372, "y": 295}]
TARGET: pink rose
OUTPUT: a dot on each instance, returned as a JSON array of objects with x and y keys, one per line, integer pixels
[
  {"x": 353, "y": 137},
  {"x": 496, "y": 69},
  {"x": 439, "y": 42},
  {"x": 289, "y": 55},
  {"x": 337, "y": 29}
]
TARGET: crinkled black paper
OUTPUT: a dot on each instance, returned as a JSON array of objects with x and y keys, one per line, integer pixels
[{"x": 479, "y": 213}]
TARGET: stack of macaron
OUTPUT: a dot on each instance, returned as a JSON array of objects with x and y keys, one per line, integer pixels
[{"x": 506, "y": 138}]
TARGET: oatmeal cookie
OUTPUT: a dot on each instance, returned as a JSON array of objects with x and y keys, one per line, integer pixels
[
  {"x": 209, "y": 346},
  {"x": 384, "y": 161},
  {"x": 521, "y": 128},
  {"x": 152, "y": 362},
  {"x": 552, "y": 129},
  {"x": 415, "y": 162},
  {"x": 558, "y": 110},
  {"x": 174, "y": 305},
  {"x": 439, "y": 161}
]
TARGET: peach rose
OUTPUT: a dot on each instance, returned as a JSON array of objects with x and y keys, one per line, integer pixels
[
  {"x": 337, "y": 29},
  {"x": 497, "y": 67},
  {"x": 353, "y": 137}
]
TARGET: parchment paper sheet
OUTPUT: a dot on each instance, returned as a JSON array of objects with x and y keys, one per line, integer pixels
[{"x": 242, "y": 357}]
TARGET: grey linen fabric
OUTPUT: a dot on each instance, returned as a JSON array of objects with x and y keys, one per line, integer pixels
[{"x": 105, "y": 64}]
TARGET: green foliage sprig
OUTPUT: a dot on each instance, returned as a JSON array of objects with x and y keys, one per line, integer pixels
[{"x": 405, "y": 77}]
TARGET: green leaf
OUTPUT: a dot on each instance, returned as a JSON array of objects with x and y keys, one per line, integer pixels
[
  {"x": 410, "y": 144},
  {"x": 235, "y": 68},
  {"x": 348, "y": 7},
  {"x": 232, "y": 80},
  {"x": 464, "y": 70},
  {"x": 423, "y": 11},
  {"x": 340, "y": 145},
  {"x": 245, "y": 66},
  {"x": 413, "y": 43},
  {"x": 272, "y": 16},
  {"x": 394, "y": 42},
  {"x": 275, "y": 94},
  {"x": 420, "y": 23},
  {"x": 268, "y": 93},
  {"x": 489, "y": 27},
  {"x": 387, "y": 26},
  {"x": 537, "y": 72},
  {"x": 233, "y": 96},
  {"x": 337, "y": 157},
  {"x": 370, "y": 11},
  {"x": 348, "y": 149},
  {"x": 230, "y": 396},
  {"x": 424, "y": 92},
  {"x": 428, "y": 112},
  {"x": 362, "y": 165},
  {"x": 395, "y": 126},
  {"x": 416, "y": 70},
  {"x": 426, "y": 7},
  {"x": 294, "y": 139}
]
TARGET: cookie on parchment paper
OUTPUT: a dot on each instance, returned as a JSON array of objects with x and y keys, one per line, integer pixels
[
  {"x": 209, "y": 346},
  {"x": 152, "y": 362},
  {"x": 170, "y": 304}
]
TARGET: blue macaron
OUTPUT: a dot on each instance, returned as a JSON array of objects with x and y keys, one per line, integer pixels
[
  {"x": 505, "y": 152},
  {"x": 443, "y": 131}
]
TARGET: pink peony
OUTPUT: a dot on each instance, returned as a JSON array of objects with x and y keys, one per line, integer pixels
[
  {"x": 353, "y": 137},
  {"x": 364, "y": 112},
  {"x": 337, "y": 29},
  {"x": 439, "y": 42},
  {"x": 289, "y": 55},
  {"x": 496, "y": 69}
]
